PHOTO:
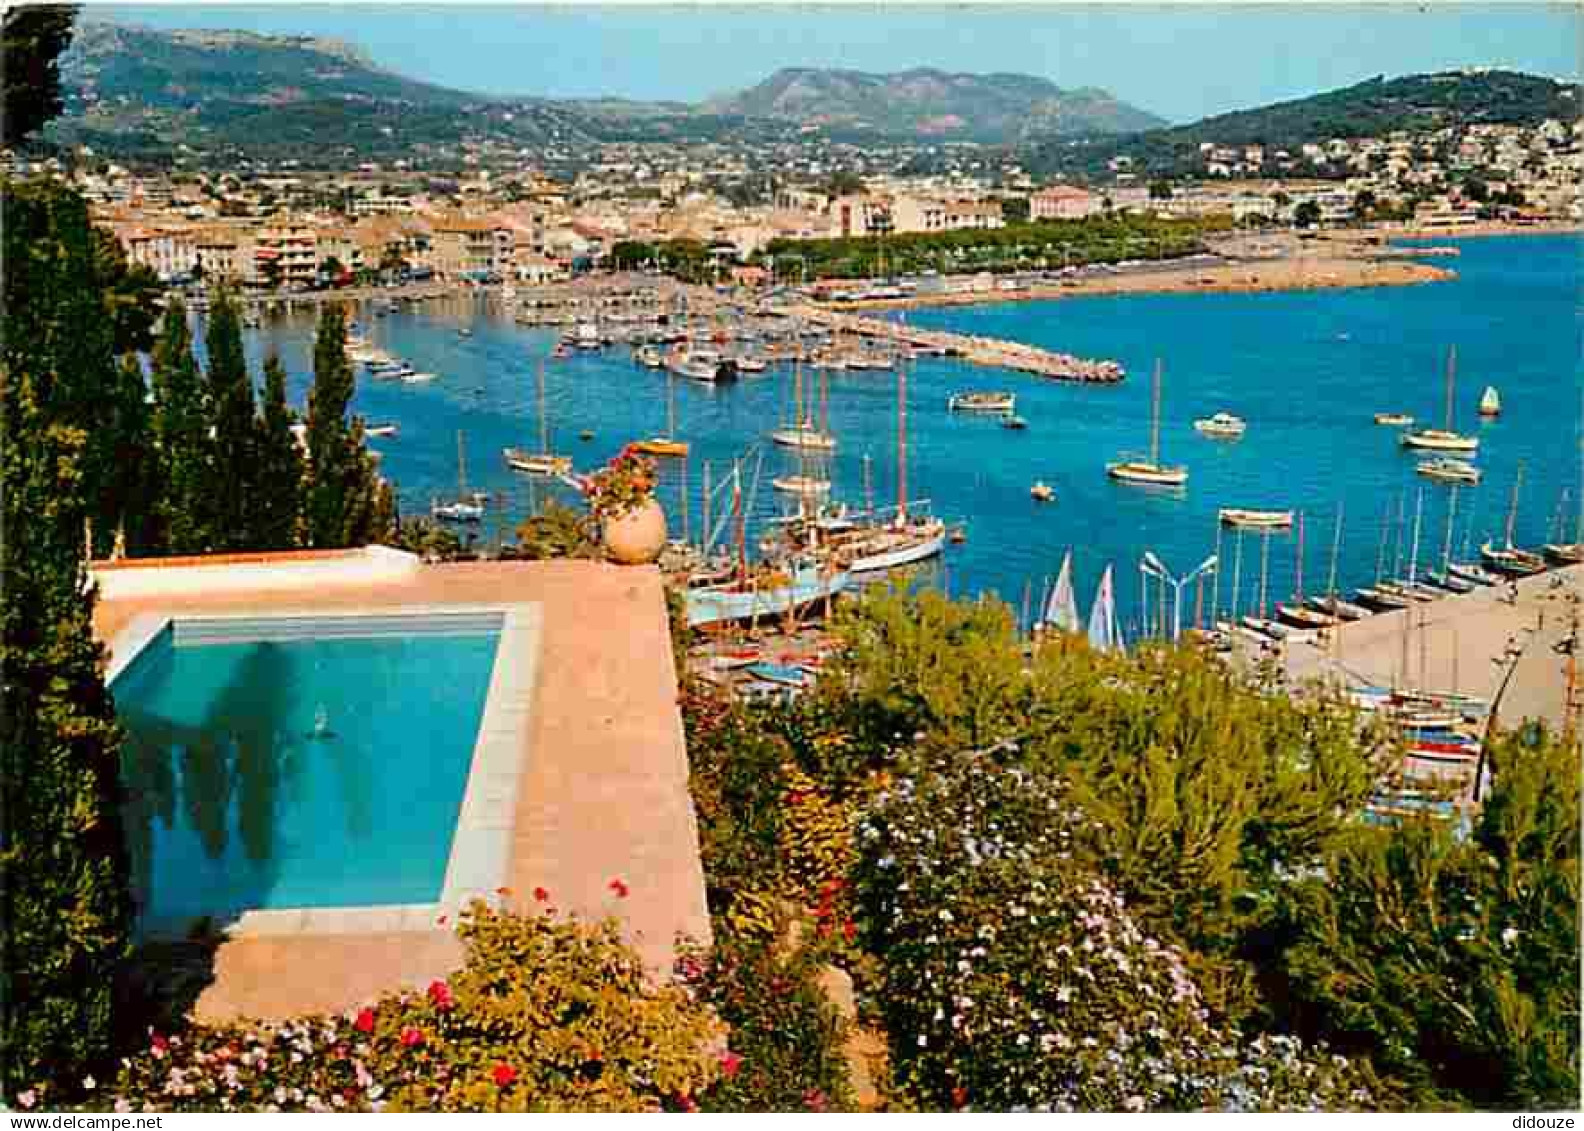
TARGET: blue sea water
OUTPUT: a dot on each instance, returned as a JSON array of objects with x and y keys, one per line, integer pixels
[
  {"x": 1307, "y": 370},
  {"x": 297, "y": 773}
]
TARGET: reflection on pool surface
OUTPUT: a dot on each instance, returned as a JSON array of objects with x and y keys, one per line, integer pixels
[{"x": 287, "y": 772}]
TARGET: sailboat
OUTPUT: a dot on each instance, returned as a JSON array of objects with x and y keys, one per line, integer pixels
[
  {"x": 1490, "y": 402},
  {"x": 1443, "y": 439},
  {"x": 1509, "y": 559},
  {"x": 542, "y": 462},
  {"x": 1103, "y": 636},
  {"x": 466, "y": 508},
  {"x": 1297, "y": 612},
  {"x": 802, "y": 434},
  {"x": 668, "y": 444},
  {"x": 1260, "y": 623},
  {"x": 1411, "y": 587},
  {"x": 804, "y": 484},
  {"x": 1150, "y": 472},
  {"x": 1571, "y": 553},
  {"x": 1330, "y": 602},
  {"x": 1444, "y": 578},
  {"x": 907, "y": 536},
  {"x": 1061, "y": 611}
]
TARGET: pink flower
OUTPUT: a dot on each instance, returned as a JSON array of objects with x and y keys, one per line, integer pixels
[
  {"x": 730, "y": 1062},
  {"x": 440, "y": 922},
  {"x": 365, "y": 1021},
  {"x": 686, "y": 1103},
  {"x": 159, "y": 1046},
  {"x": 411, "y": 1037},
  {"x": 27, "y": 1098},
  {"x": 619, "y": 888},
  {"x": 503, "y": 1074},
  {"x": 440, "y": 995},
  {"x": 814, "y": 1099}
]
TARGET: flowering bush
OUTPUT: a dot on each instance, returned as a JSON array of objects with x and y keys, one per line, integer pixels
[
  {"x": 545, "y": 1015},
  {"x": 1014, "y": 977},
  {"x": 621, "y": 486}
]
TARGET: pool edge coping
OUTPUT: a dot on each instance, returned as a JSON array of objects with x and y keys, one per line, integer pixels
[{"x": 479, "y": 862}]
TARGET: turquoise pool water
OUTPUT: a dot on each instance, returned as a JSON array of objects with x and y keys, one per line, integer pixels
[{"x": 290, "y": 772}]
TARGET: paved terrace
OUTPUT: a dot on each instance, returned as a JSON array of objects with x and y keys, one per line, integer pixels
[
  {"x": 604, "y": 786},
  {"x": 1459, "y": 644}
]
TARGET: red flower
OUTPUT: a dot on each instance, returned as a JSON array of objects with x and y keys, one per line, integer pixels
[
  {"x": 959, "y": 1096},
  {"x": 365, "y": 1021},
  {"x": 849, "y": 930},
  {"x": 503, "y": 891},
  {"x": 814, "y": 1099},
  {"x": 159, "y": 1045},
  {"x": 541, "y": 895},
  {"x": 411, "y": 1037},
  {"x": 440, "y": 995},
  {"x": 503, "y": 1074},
  {"x": 686, "y": 1103},
  {"x": 440, "y": 922},
  {"x": 619, "y": 888},
  {"x": 730, "y": 1062}
]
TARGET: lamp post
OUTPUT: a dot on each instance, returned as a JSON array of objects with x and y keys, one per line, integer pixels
[{"x": 1152, "y": 566}]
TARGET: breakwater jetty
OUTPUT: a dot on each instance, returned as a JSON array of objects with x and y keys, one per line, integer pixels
[{"x": 994, "y": 352}]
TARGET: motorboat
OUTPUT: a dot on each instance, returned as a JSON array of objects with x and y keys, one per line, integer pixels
[
  {"x": 1259, "y": 519},
  {"x": 1042, "y": 492},
  {"x": 982, "y": 402},
  {"x": 805, "y": 436},
  {"x": 1016, "y": 423},
  {"x": 661, "y": 446},
  {"x": 1448, "y": 469},
  {"x": 1440, "y": 440},
  {"x": 457, "y": 512},
  {"x": 1221, "y": 426},
  {"x": 1394, "y": 419},
  {"x": 376, "y": 431},
  {"x": 415, "y": 378},
  {"x": 804, "y": 485}
]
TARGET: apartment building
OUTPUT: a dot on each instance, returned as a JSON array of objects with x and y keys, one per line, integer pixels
[
  {"x": 1064, "y": 202},
  {"x": 169, "y": 252},
  {"x": 288, "y": 254}
]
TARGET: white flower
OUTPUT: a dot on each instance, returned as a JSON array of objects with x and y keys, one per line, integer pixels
[
  {"x": 90, "y": 1083},
  {"x": 1508, "y": 935},
  {"x": 27, "y": 1098},
  {"x": 923, "y": 1041}
]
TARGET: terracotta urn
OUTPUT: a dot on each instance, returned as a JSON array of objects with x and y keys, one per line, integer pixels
[{"x": 637, "y": 537}]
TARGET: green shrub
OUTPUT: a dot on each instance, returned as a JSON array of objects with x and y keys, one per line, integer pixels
[{"x": 545, "y": 1015}]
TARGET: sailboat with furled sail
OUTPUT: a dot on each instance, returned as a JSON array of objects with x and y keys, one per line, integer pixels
[
  {"x": 1150, "y": 472},
  {"x": 1508, "y": 559},
  {"x": 802, "y": 434},
  {"x": 1443, "y": 439},
  {"x": 544, "y": 461},
  {"x": 466, "y": 507},
  {"x": 806, "y": 484}
]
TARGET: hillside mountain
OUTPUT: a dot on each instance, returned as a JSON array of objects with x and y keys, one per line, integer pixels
[
  {"x": 931, "y": 103},
  {"x": 1374, "y": 108}
]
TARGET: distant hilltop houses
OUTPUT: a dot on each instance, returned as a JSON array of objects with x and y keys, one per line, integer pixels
[{"x": 289, "y": 226}]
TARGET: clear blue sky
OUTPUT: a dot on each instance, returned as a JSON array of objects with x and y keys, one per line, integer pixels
[{"x": 1179, "y": 61}]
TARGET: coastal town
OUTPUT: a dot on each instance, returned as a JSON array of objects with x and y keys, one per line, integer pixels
[{"x": 496, "y": 217}]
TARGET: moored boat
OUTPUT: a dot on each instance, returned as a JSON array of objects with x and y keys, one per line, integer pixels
[
  {"x": 766, "y": 594},
  {"x": 1444, "y": 439},
  {"x": 801, "y": 485},
  {"x": 1042, "y": 492},
  {"x": 1511, "y": 560},
  {"x": 1150, "y": 472},
  {"x": 1394, "y": 419},
  {"x": 1449, "y": 470},
  {"x": 1223, "y": 425},
  {"x": 1564, "y": 553},
  {"x": 982, "y": 402},
  {"x": 1270, "y": 520},
  {"x": 1490, "y": 402}
]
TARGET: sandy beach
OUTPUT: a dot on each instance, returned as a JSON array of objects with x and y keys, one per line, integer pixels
[{"x": 1298, "y": 273}]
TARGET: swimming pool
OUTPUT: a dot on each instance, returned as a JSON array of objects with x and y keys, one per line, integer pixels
[{"x": 283, "y": 767}]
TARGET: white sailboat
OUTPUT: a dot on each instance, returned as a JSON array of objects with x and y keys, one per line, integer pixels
[
  {"x": 1443, "y": 439},
  {"x": 803, "y": 433},
  {"x": 544, "y": 461},
  {"x": 1103, "y": 635},
  {"x": 1150, "y": 472},
  {"x": 466, "y": 507},
  {"x": 1490, "y": 402},
  {"x": 1061, "y": 611},
  {"x": 1509, "y": 559}
]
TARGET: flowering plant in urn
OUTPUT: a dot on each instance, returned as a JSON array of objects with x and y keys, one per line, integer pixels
[{"x": 621, "y": 486}]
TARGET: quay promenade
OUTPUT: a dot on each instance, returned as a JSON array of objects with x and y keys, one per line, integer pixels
[
  {"x": 994, "y": 352},
  {"x": 1483, "y": 643}
]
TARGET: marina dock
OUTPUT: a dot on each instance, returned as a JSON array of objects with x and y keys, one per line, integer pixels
[
  {"x": 993, "y": 352},
  {"x": 1512, "y": 653}
]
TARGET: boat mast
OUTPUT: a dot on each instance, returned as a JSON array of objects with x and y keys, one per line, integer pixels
[
  {"x": 797, "y": 395},
  {"x": 1336, "y": 553},
  {"x": 461, "y": 468},
  {"x": 1264, "y": 571},
  {"x": 901, "y": 442},
  {"x": 868, "y": 485},
  {"x": 1446, "y": 548},
  {"x": 1451, "y": 370},
  {"x": 1380, "y": 552},
  {"x": 1237, "y": 575},
  {"x": 544, "y": 424},
  {"x": 1512, "y": 509},
  {"x": 1298, "y": 595},
  {"x": 1413, "y": 560},
  {"x": 1402, "y": 535},
  {"x": 670, "y": 405},
  {"x": 742, "y": 526},
  {"x": 1155, "y": 417}
]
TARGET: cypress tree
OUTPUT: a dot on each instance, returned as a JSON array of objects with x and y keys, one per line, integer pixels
[
  {"x": 277, "y": 517},
  {"x": 136, "y": 490},
  {"x": 65, "y": 906},
  {"x": 234, "y": 481},
  {"x": 348, "y": 504},
  {"x": 181, "y": 427}
]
